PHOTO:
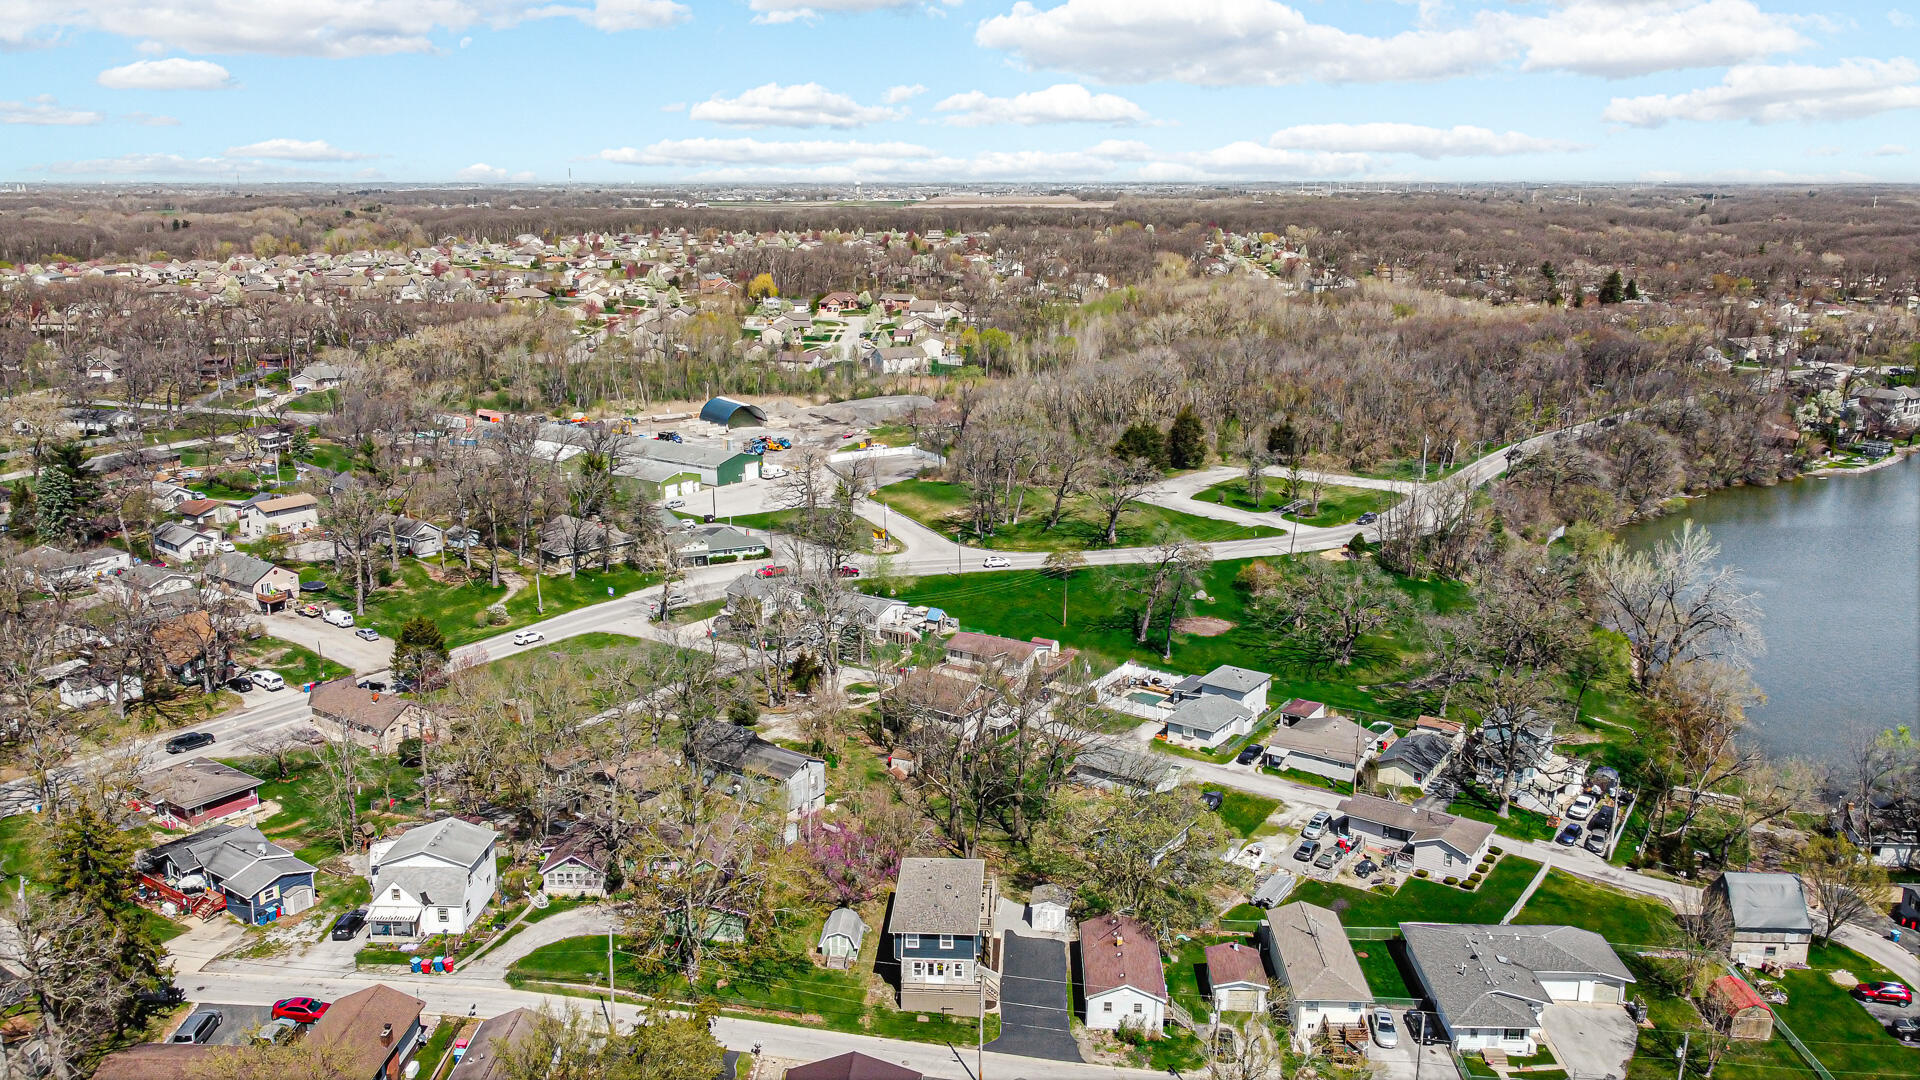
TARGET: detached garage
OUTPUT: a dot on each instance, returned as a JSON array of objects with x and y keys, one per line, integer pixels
[{"x": 732, "y": 414}]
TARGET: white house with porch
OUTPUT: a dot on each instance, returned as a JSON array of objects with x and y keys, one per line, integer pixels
[{"x": 434, "y": 879}]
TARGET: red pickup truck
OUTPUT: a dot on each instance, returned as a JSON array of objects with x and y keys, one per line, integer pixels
[{"x": 771, "y": 571}]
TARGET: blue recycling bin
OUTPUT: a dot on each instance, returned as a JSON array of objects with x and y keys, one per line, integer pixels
[
  {"x": 439, "y": 965},
  {"x": 416, "y": 965}
]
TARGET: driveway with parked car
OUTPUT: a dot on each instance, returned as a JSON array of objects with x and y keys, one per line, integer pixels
[{"x": 336, "y": 643}]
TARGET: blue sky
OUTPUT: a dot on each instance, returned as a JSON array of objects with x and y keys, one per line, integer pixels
[{"x": 957, "y": 90}]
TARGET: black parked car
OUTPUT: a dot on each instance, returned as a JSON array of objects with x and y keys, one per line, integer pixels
[
  {"x": 1905, "y": 1028},
  {"x": 1602, "y": 822},
  {"x": 1305, "y": 852},
  {"x": 1367, "y": 518},
  {"x": 347, "y": 926},
  {"x": 192, "y": 740},
  {"x": 1570, "y": 835},
  {"x": 1250, "y": 755}
]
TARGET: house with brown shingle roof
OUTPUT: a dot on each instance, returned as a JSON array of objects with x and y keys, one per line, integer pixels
[
  {"x": 376, "y": 1029},
  {"x": 1317, "y": 965},
  {"x": 272, "y": 517},
  {"x": 1236, "y": 978},
  {"x": 344, "y": 709},
  {"x": 1120, "y": 975}
]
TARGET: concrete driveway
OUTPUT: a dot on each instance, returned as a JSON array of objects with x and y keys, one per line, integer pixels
[
  {"x": 1035, "y": 1000},
  {"x": 333, "y": 642},
  {"x": 1590, "y": 1040}
]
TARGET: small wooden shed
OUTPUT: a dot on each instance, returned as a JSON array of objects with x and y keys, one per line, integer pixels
[
  {"x": 1737, "y": 1009},
  {"x": 841, "y": 938}
]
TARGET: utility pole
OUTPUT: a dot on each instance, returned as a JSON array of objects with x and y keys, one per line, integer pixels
[
  {"x": 957, "y": 533},
  {"x": 1686, "y": 1037}
]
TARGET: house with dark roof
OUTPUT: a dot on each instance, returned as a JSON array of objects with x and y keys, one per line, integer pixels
[
  {"x": 1441, "y": 844},
  {"x": 154, "y": 586},
  {"x": 193, "y": 793},
  {"x": 707, "y": 544},
  {"x": 1489, "y": 985},
  {"x": 1243, "y": 685},
  {"x": 1209, "y": 721},
  {"x": 373, "y": 1031},
  {"x": 184, "y": 543},
  {"x": 1764, "y": 915},
  {"x": 1314, "y": 960},
  {"x": 941, "y": 931},
  {"x": 344, "y": 709},
  {"x": 1107, "y": 765},
  {"x": 793, "y": 781},
  {"x": 1121, "y": 979},
  {"x": 432, "y": 879},
  {"x": 581, "y": 542},
  {"x": 1412, "y": 761},
  {"x": 578, "y": 864},
  {"x": 420, "y": 539},
  {"x": 227, "y": 868},
  {"x": 489, "y": 1050},
  {"x": 266, "y": 586},
  {"x": 852, "y": 1065}
]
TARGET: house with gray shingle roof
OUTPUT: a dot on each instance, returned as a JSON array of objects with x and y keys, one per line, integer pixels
[
  {"x": 1766, "y": 915},
  {"x": 434, "y": 879},
  {"x": 1489, "y": 985},
  {"x": 1209, "y": 720},
  {"x": 941, "y": 931},
  {"x": 1314, "y": 960}
]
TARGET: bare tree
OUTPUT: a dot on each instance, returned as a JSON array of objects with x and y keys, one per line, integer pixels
[
  {"x": 1844, "y": 885},
  {"x": 1116, "y": 485},
  {"x": 1672, "y": 604}
]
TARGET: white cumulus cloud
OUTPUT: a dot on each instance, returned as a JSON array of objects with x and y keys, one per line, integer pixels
[
  {"x": 485, "y": 173},
  {"x": 1427, "y": 142},
  {"x": 295, "y": 150},
  {"x": 799, "y": 105},
  {"x": 173, "y": 73},
  {"x": 897, "y": 94},
  {"x": 759, "y": 152},
  {"x": 1771, "y": 94},
  {"x": 332, "y": 28},
  {"x": 44, "y": 111},
  {"x": 1890, "y": 150},
  {"x": 786, "y": 11},
  {"x": 1267, "y": 43},
  {"x": 1064, "y": 103},
  {"x": 168, "y": 165}
]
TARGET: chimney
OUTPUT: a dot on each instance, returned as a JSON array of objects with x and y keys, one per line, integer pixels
[{"x": 386, "y": 1034}]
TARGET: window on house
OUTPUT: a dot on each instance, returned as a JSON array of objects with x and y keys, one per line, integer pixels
[
  {"x": 909, "y": 941},
  {"x": 1137, "y": 1009},
  {"x": 1771, "y": 950},
  {"x": 443, "y": 914},
  {"x": 1106, "y": 1006},
  {"x": 946, "y": 941},
  {"x": 919, "y": 969},
  {"x": 1515, "y": 1034}
]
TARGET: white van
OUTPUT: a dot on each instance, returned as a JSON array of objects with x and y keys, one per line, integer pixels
[
  {"x": 338, "y": 617},
  {"x": 268, "y": 680}
]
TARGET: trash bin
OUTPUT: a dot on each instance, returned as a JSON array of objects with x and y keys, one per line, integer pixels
[
  {"x": 439, "y": 965},
  {"x": 1896, "y": 935},
  {"x": 449, "y": 964},
  {"x": 416, "y": 965}
]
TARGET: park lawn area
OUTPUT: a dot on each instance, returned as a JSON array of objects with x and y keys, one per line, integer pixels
[
  {"x": 1339, "y": 504},
  {"x": 1024, "y": 604},
  {"x": 1480, "y": 805},
  {"x": 1389, "y": 973},
  {"x": 1425, "y": 900},
  {"x": 1622, "y": 918},
  {"x": 1244, "y": 813},
  {"x": 294, "y": 663},
  {"x": 942, "y": 507}
]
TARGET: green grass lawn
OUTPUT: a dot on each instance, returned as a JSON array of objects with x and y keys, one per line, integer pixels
[
  {"x": 455, "y": 607},
  {"x": 943, "y": 507},
  {"x": 1674, "y": 1017},
  {"x": 784, "y": 522},
  {"x": 303, "y": 824},
  {"x": 315, "y": 401},
  {"x": 594, "y": 650},
  {"x": 1621, "y": 918},
  {"x": 1183, "y": 971},
  {"x": 1388, "y": 971},
  {"x": 1845, "y": 1037},
  {"x": 1244, "y": 813},
  {"x": 1022, "y": 604},
  {"x": 328, "y": 455},
  {"x": 1475, "y": 803},
  {"x": 1424, "y": 900},
  {"x": 1300, "y": 776},
  {"x": 294, "y": 663},
  {"x": 19, "y": 836},
  {"x": 1339, "y": 505}
]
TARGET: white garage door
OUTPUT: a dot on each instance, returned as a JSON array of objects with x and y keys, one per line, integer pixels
[
  {"x": 1562, "y": 989},
  {"x": 1606, "y": 993}
]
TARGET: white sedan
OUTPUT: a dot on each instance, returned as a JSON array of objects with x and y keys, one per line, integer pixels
[
  {"x": 528, "y": 637},
  {"x": 995, "y": 562}
]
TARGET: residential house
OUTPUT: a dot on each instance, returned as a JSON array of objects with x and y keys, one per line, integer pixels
[
  {"x": 227, "y": 868},
  {"x": 287, "y": 515},
  {"x": 184, "y": 543},
  {"x": 583, "y": 543},
  {"x": 709, "y": 544},
  {"x": 1328, "y": 745},
  {"x": 1895, "y": 407},
  {"x": 1106, "y": 765},
  {"x": 373, "y": 1032},
  {"x": 578, "y": 865},
  {"x": 852, "y": 1065},
  {"x": 1236, "y": 978},
  {"x": 1442, "y": 844},
  {"x": 1209, "y": 721},
  {"x": 980, "y": 652},
  {"x": 841, "y": 938},
  {"x": 420, "y": 539},
  {"x": 898, "y": 360},
  {"x": 344, "y": 709},
  {"x": 193, "y": 793},
  {"x": 792, "y": 781},
  {"x": 432, "y": 879},
  {"x": 1525, "y": 747},
  {"x": 1886, "y": 828},
  {"x": 51, "y": 568},
  {"x": 659, "y": 480},
  {"x": 319, "y": 377},
  {"x": 190, "y": 650},
  {"x": 267, "y": 587},
  {"x": 946, "y": 693},
  {"x": 1316, "y": 964},
  {"x": 1412, "y": 761},
  {"x": 488, "y": 1053},
  {"x": 207, "y": 514},
  {"x": 1121, "y": 979},
  {"x": 1242, "y": 686},
  {"x": 1299, "y": 709},
  {"x": 942, "y": 934},
  {"x": 1765, "y": 916},
  {"x": 836, "y": 302},
  {"x": 1489, "y": 984},
  {"x": 79, "y": 684}
]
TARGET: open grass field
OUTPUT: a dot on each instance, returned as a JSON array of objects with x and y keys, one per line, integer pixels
[
  {"x": 1621, "y": 918},
  {"x": 304, "y": 824},
  {"x": 943, "y": 507},
  {"x": 1022, "y": 604},
  {"x": 455, "y": 608},
  {"x": 1338, "y": 505},
  {"x": 1425, "y": 900}
]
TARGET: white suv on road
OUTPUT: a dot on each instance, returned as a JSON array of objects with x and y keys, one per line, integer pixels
[{"x": 995, "y": 562}]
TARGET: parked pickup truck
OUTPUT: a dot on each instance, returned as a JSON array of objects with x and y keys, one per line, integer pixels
[{"x": 771, "y": 571}]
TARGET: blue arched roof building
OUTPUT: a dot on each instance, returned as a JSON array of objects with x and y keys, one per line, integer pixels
[{"x": 731, "y": 413}]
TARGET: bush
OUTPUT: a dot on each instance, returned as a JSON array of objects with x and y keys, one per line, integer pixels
[
  {"x": 497, "y": 615},
  {"x": 1473, "y": 880},
  {"x": 482, "y": 618},
  {"x": 1420, "y": 873},
  {"x": 718, "y": 560},
  {"x": 1494, "y": 852},
  {"x": 1452, "y": 880}
]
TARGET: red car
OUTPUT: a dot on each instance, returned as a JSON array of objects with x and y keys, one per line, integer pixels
[
  {"x": 1887, "y": 993},
  {"x": 301, "y": 1010},
  {"x": 771, "y": 571},
  {"x": 849, "y": 571}
]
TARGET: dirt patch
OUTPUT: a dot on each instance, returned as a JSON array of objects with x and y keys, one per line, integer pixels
[{"x": 1201, "y": 626}]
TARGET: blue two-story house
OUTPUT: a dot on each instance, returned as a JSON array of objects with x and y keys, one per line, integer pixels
[
  {"x": 229, "y": 867},
  {"x": 942, "y": 934}
]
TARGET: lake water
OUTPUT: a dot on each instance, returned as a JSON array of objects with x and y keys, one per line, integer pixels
[{"x": 1836, "y": 562}]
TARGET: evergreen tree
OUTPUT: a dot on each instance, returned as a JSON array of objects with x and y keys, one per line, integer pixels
[
  {"x": 420, "y": 646},
  {"x": 91, "y": 860},
  {"x": 1187, "y": 441},
  {"x": 1281, "y": 438},
  {"x": 301, "y": 443},
  {"x": 65, "y": 493},
  {"x": 1143, "y": 442},
  {"x": 1612, "y": 290},
  {"x": 1633, "y": 289}
]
